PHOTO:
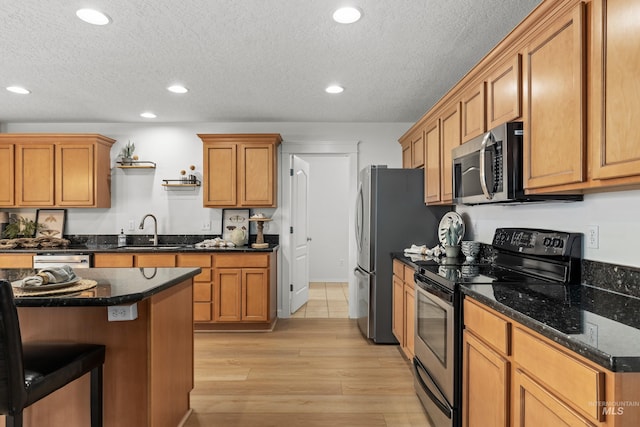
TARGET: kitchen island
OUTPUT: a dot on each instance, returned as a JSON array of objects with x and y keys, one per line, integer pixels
[{"x": 148, "y": 371}]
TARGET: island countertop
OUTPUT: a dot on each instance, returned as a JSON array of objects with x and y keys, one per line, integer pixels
[{"x": 115, "y": 286}]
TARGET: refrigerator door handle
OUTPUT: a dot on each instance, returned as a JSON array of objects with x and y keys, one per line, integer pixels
[{"x": 359, "y": 217}]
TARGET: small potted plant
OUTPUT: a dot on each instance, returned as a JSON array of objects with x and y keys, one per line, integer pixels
[
  {"x": 127, "y": 153},
  {"x": 21, "y": 227}
]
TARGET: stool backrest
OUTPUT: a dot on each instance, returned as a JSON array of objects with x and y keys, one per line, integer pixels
[{"x": 12, "y": 388}]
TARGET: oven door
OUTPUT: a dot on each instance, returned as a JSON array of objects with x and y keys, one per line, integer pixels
[{"x": 435, "y": 337}]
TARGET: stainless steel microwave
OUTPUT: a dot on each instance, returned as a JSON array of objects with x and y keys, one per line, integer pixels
[{"x": 488, "y": 169}]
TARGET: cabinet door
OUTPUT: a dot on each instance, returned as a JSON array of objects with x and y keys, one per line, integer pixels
[
  {"x": 75, "y": 174},
  {"x": 256, "y": 175},
  {"x": 485, "y": 385},
  {"x": 417, "y": 150},
  {"x": 504, "y": 93},
  {"x": 7, "y": 183},
  {"x": 616, "y": 61},
  {"x": 227, "y": 295},
  {"x": 34, "y": 175},
  {"x": 397, "y": 321},
  {"x": 406, "y": 154},
  {"x": 220, "y": 175},
  {"x": 432, "y": 164},
  {"x": 450, "y": 139},
  {"x": 473, "y": 112},
  {"x": 409, "y": 320},
  {"x": 534, "y": 406},
  {"x": 255, "y": 295},
  {"x": 554, "y": 142}
]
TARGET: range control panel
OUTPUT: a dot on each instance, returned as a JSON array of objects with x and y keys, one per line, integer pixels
[{"x": 538, "y": 242}]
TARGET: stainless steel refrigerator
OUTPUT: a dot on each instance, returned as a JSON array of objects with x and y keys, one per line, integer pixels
[{"x": 390, "y": 216}]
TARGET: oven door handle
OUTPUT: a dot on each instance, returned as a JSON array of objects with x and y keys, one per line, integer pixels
[
  {"x": 437, "y": 400},
  {"x": 432, "y": 289},
  {"x": 483, "y": 172}
]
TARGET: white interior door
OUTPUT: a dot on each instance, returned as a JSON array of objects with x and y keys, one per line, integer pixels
[{"x": 300, "y": 236}]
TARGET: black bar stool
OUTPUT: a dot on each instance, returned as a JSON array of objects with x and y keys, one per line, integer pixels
[{"x": 31, "y": 371}]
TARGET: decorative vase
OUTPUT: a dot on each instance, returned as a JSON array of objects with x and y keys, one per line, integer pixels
[{"x": 452, "y": 251}]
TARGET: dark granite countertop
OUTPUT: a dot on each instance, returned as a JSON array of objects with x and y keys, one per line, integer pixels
[
  {"x": 595, "y": 321},
  {"x": 601, "y": 325},
  {"x": 89, "y": 249},
  {"x": 115, "y": 286}
]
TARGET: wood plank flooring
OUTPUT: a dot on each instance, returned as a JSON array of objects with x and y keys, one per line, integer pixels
[{"x": 307, "y": 372}]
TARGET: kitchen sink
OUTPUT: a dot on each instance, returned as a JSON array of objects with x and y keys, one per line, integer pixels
[{"x": 147, "y": 247}]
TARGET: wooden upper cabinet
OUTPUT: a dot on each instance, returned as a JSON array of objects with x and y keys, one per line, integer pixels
[
  {"x": 240, "y": 170},
  {"x": 7, "y": 175},
  {"x": 450, "y": 139},
  {"x": 413, "y": 150},
  {"x": 66, "y": 170},
  {"x": 554, "y": 111},
  {"x": 615, "y": 87},
  {"x": 504, "y": 92},
  {"x": 35, "y": 174},
  {"x": 417, "y": 150},
  {"x": 406, "y": 154},
  {"x": 432, "y": 163},
  {"x": 473, "y": 112}
]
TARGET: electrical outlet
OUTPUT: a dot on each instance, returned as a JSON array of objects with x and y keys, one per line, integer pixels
[
  {"x": 591, "y": 330},
  {"x": 206, "y": 225},
  {"x": 119, "y": 313},
  {"x": 593, "y": 237},
  {"x": 132, "y": 225}
]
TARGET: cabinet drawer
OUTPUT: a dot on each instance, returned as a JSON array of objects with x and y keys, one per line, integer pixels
[
  {"x": 398, "y": 269},
  {"x": 16, "y": 260},
  {"x": 194, "y": 260},
  {"x": 241, "y": 260},
  {"x": 202, "y": 292},
  {"x": 113, "y": 260},
  {"x": 155, "y": 260},
  {"x": 566, "y": 376},
  {"x": 204, "y": 276},
  {"x": 408, "y": 276},
  {"x": 202, "y": 311},
  {"x": 491, "y": 328}
]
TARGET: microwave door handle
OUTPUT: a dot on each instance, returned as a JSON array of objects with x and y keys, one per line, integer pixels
[{"x": 483, "y": 171}]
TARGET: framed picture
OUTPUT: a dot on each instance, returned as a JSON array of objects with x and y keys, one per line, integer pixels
[
  {"x": 52, "y": 222},
  {"x": 233, "y": 219}
]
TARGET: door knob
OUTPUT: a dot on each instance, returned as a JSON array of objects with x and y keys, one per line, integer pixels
[{"x": 308, "y": 239}]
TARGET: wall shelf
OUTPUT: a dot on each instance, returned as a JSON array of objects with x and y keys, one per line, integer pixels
[
  {"x": 181, "y": 183},
  {"x": 137, "y": 164}
]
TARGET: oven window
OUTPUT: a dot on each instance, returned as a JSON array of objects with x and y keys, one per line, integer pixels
[{"x": 432, "y": 326}]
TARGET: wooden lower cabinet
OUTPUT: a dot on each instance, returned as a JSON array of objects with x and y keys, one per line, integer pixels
[
  {"x": 202, "y": 283},
  {"x": 403, "y": 320},
  {"x": 485, "y": 388},
  {"x": 244, "y": 291},
  {"x": 513, "y": 376}
]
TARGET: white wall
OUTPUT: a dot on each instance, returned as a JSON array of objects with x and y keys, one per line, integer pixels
[
  {"x": 616, "y": 214},
  {"x": 328, "y": 217},
  {"x": 176, "y": 146}
]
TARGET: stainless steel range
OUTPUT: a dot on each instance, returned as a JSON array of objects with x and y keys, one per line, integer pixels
[{"x": 542, "y": 260}]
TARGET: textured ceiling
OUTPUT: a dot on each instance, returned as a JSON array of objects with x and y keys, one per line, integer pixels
[{"x": 243, "y": 60}]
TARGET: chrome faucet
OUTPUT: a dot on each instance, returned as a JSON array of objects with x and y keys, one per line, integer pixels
[{"x": 155, "y": 228}]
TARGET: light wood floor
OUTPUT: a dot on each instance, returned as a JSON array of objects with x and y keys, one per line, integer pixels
[
  {"x": 307, "y": 372},
  {"x": 326, "y": 300}
]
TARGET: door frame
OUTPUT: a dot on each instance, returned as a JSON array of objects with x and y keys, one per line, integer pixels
[{"x": 288, "y": 148}]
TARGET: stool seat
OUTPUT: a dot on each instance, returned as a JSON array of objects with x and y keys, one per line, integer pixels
[{"x": 31, "y": 371}]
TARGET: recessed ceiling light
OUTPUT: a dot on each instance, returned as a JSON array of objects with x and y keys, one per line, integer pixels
[
  {"x": 148, "y": 115},
  {"x": 177, "y": 89},
  {"x": 347, "y": 15},
  {"x": 18, "y": 89},
  {"x": 93, "y": 16},
  {"x": 334, "y": 89}
]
